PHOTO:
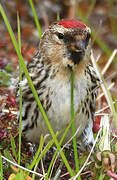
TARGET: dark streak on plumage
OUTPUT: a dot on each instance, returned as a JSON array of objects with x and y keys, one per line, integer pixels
[{"x": 27, "y": 109}]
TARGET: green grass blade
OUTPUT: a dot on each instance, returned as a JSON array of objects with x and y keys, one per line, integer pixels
[
  {"x": 13, "y": 146},
  {"x": 1, "y": 167},
  {"x": 53, "y": 158},
  {"x": 112, "y": 16},
  {"x": 19, "y": 32},
  {"x": 93, "y": 2},
  {"x": 20, "y": 89},
  {"x": 58, "y": 17},
  {"x": 37, "y": 153},
  {"x": 8, "y": 155},
  {"x": 73, "y": 123},
  {"x": 115, "y": 105},
  {"x": 33, "y": 89},
  {"x": 102, "y": 175},
  {"x": 115, "y": 147},
  {"x": 19, "y": 176},
  {"x": 35, "y": 168},
  {"x": 35, "y": 18},
  {"x": 45, "y": 150}
]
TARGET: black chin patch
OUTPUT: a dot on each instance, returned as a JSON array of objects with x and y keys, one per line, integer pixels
[{"x": 76, "y": 57}]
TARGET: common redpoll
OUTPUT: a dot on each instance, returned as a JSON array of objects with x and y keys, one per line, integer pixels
[{"x": 64, "y": 46}]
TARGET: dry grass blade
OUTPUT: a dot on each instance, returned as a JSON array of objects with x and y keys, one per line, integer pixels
[
  {"x": 104, "y": 141},
  {"x": 109, "y": 87},
  {"x": 101, "y": 110},
  {"x": 105, "y": 90},
  {"x": 109, "y": 62}
]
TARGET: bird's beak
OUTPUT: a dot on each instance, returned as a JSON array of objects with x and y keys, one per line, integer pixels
[
  {"x": 77, "y": 51},
  {"x": 80, "y": 46}
]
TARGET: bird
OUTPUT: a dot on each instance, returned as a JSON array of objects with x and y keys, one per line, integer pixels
[{"x": 64, "y": 48}]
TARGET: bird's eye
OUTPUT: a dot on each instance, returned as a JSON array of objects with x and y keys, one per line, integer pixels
[
  {"x": 60, "y": 36},
  {"x": 88, "y": 37}
]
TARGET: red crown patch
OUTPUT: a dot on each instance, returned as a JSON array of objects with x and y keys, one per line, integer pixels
[{"x": 72, "y": 23}]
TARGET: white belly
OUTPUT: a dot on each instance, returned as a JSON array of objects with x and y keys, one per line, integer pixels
[{"x": 59, "y": 114}]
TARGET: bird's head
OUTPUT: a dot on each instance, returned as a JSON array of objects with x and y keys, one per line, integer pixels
[{"x": 66, "y": 43}]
